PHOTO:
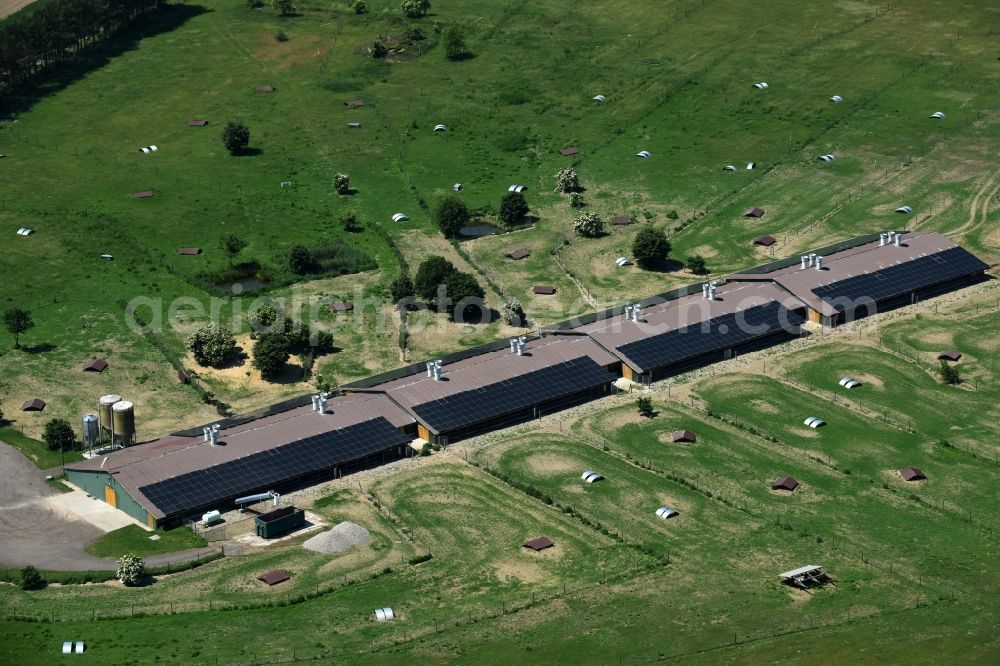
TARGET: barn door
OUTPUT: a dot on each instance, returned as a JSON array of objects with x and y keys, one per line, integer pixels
[{"x": 109, "y": 496}]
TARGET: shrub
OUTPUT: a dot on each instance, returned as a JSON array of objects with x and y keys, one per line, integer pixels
[
  {"x": 567, "y": 180},
  {"x": 281, "y": 36},
  {"x": 513, "y": 208},
  {"x": 672, "y": 215},
  {"x": 131, "y": 569},
  {"x": 576, "y": 200},
  {"x": 432, "y": 272},
  {"x": 451, "y": 214},
  {"x": 31, "y": 579},
  {"x": 513, "y": 313},
  {"x": 949, "y": 374},
  {"x": 454, "y": 42},
  {"x": 359, "y": 6},
  {"x": 58, "y": 434},
  {"x": 342, "y": 183},
  {"x": 696, "y": 264},
  {"x": 235, "y": 137},
  {"x": 401, "y": 288},
  {"x": 416, "y": 8},
  {"x": 300, "y": 260},
  {"x": 378, "y": 49},
  {"x": 212, "y": 345},
  {"x": 425, "y": 450},
  {"x": 589, "y": 225},
  {"x": 283, "y": 7},
  {"x": 270, "y": 355},
  {"x": 255, "y": 4},
  {"x": 645, "y": 406},
  {"x": 350, "y": 223},
  {"x": 650, "y": 247}
]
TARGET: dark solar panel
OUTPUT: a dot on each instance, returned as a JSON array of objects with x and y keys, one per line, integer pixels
[
  {"x": 901, "y": 278},
  {"x": 716, "y": 334},
  {"x": 512, "y": 395},
  {"x": 261, "y": 471}
]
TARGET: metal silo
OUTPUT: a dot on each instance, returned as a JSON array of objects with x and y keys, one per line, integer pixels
[
  {"x": 104, "y": 410},
  {"x": 123, "y": 421},
  {"x": 91, "y": 430}
]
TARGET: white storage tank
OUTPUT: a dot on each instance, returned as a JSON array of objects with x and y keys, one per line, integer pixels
[
  {"x": 91, "y": 429},
  {"x": 211, "y": 517},
  {"x": 104, "y": 409},
  {"x": 123, "y": 420}
]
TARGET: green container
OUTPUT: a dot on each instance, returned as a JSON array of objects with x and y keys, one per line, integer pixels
[{"x": 279, "y": 521}]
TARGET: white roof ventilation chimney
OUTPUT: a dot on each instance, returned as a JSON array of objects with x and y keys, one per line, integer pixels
[
  {"x": 321, "y": 403},
  {"x": 897, "y": 240},
  {"x": 315, "y": 401},
  {"x": 519, "y": 345},
  {"x": 628, "y": 312},
  {"x": 812, "y": 258},
  {"x": 636, "y": 312},
  {"x": 513, "y": 345},
  {"x": 205, "y": 432},
  {"x": 213, "y": 434},
  {"x": 882, "y": 239},
  {"x": 436, "y": 368},
  {"x": 430, "y": 365},
  {"x": 704, "y": 290},
  {"x": 805, "y": 260},
  {"x": 819, "y": 263}
]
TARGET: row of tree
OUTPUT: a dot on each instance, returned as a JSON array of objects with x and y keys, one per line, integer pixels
[{"x": 56, "y": 30}]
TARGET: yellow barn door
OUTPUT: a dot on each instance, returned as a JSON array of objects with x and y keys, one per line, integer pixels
[{"x": 109, "y": 496}]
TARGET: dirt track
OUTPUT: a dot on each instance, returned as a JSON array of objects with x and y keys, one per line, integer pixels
[{"x": 8, "y": 7}]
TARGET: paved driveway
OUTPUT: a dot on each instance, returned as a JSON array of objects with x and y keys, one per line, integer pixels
[{"x": 36, "y": 530}]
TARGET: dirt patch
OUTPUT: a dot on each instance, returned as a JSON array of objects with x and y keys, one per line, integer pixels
[
  {"x": 551, "y": 465},
  {"x": 242, "y": 379},
  {"x": 765, "y": 407},
  {"x": 805, "y": 432},
  {"x": 869, "y": 380}
]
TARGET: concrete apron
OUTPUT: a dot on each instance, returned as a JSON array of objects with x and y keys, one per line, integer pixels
[{"x": 102, "y": 516}]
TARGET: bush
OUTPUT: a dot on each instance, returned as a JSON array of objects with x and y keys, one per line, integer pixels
[
  {"x": 645, "y": 406},
  {"x": 949, "y": 374},
  {"x": 425, "y": 450},
  {"x": 342, "y": 183},
  {"x": 350, "y": 223},
  {"x": 416, "y": 8},
  {"x": 270, "y": 355},
  {"x": 576, "y": 200},
  {"x": 131, "y": 569},
  {"x": 589, "y": 225},
  {"x": 31, "y": 579},
  {"x": 300, "y": 260},
  {"x": 263, "y": 317},
  {"x": 283, "y": 7},
  {"x": 451, "y": 214},
  {"x": 696, "y": 264},
  {"x": 513, "y": 208},
  {"x": 235, "y": 137},
  {"x": 461, "y": 286},
  {"x": 255, "y": 4},
  {"x": 401, "y": 288},
  {"x": 454, "y": 42},
  {"x": 672, "y": 215},
  {"x": 513, "y": 313},
  {"x": 281, "y": 36},
  {"x": 212, "y": 345},
  {"x": 378, "y": 49},
  {"x": 650, "y": 247},
  {"x": 567, "y": 180},
  {"x": 59, "y": 433},
  {"x": 432, "y": 272},
  {"x": 359, "y": 6}
]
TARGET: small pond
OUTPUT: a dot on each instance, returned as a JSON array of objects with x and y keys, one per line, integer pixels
[{"x": 478, "y": 230}]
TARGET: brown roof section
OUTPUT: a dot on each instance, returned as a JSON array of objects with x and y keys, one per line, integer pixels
[
  {"x": 189, "y": 250},
  {"x": 197, "y": 123},
  {"x": 142, "y": 195},
  {"x": 684, "y": 436},
  {"x": 175, "y": 455},
  {"x": 911, "y": 474},
  {"x": 182, "y": 376},
  {"x": 543, "y": 289},
  {"x": 265, "y": 88},
  {"x": 342, "y": 306},
  {"x": 519, "y": 253},
  {"x": 33, "y": 405},
  {"x": 784, "y": 483},
  {"x": 754, "y": 212},
  {"x": 566, "y": 152},
  {"x": 949, "y": 356},
  {"x": 856, "y": 261},
  {"x": 621, "y": 220},
  {"x": 541, "y": 543},
  {"x": 274, "y": 577},
  {"x": 354, "y": 103},
  {"x": 766, "y": 241},
  {"x": 97, "y": 365}
]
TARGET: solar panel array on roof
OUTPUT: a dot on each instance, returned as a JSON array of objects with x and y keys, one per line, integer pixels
[
  {"x": 902, "y": 278},
  {"x": 261, "y": 471},
  {"x": 512, "y": 395},
  {"x": 716, "y": 334}
]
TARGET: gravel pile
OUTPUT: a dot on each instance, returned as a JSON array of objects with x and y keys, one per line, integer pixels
[{"x": 339, "y": 539}]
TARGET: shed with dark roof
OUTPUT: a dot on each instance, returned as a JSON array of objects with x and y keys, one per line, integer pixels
[
  {"x": 622, "y": 220},
  {"x": 145, "y": 194},
  {"x": 33, "y": 405},
  {"x": 684, "y": 436},
  {"x": 566, "y": 152},
  {"x": 765, "y": 241},
  {"x": 341, "y": 306},
  {"x": 274, "y": 576},
  {"x": 912, "y": 474},
  {"x": 949, "y": 356},
  {"x": 517, "y": 254},
  {"x": 354, "y": 103},
  {"x": 97, "y": 365},
  {"x": 543, "y": 289},
  {"x": 754, "y": 212},
  {"x": 197, "y": 123},
  {"x": 265, "y": 88},
  {"x": 188, "y": 251},
  {"x": 784, "y": 483},
  {"x": 541, "y": 543}
]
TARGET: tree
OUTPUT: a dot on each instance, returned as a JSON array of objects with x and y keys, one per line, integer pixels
[
  {"x": 513, "y": 313},
  {"x": 416, "y": 8},
  {"x": 270, "y": 355},
  {"x": 300, "y": 260},
  {"x": 263, "y": 318},
  {"x": 696, "y": 264},
  {"x": 566, "y": 180},
  {"x": 650, "y": 247},
  {"x": 31, "y": 579},
  {"x": 589, "y": 225},
  {"x": 232, "y": 245},
  {"x": 645, "y": 406},
  {"x": 342, "y": 183},
  {"x": 18, "y": 321},
  {"x": 949, "y": 373},
  {"x": 283, "y": 7},
  {"x": 212, "y": 345},
  {"x": 576, "y": 200},
  {"x": 451, "y": 215},
  {"x": 359, "y": 6},
  {"x": 350, "y": 223},
  {"x": 255, "y": 4},
  {"x": 131, "y": 569},
  {"x": 460, "y": 287},
  {"x": 235, "y": 137},
  {"x": 513, "y": 208},
  {"x": 453, "y": 38},
  {"x": 430, "y": 274},
  {"x": 378, "y": 49},
  {"x": 401, "y": 288},
  {"x": 59, "y": 435}
]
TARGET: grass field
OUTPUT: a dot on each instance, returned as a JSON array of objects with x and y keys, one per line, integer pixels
[
  {"x": 134, "y": 540},
  {"x": 913, "y": 561}
]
